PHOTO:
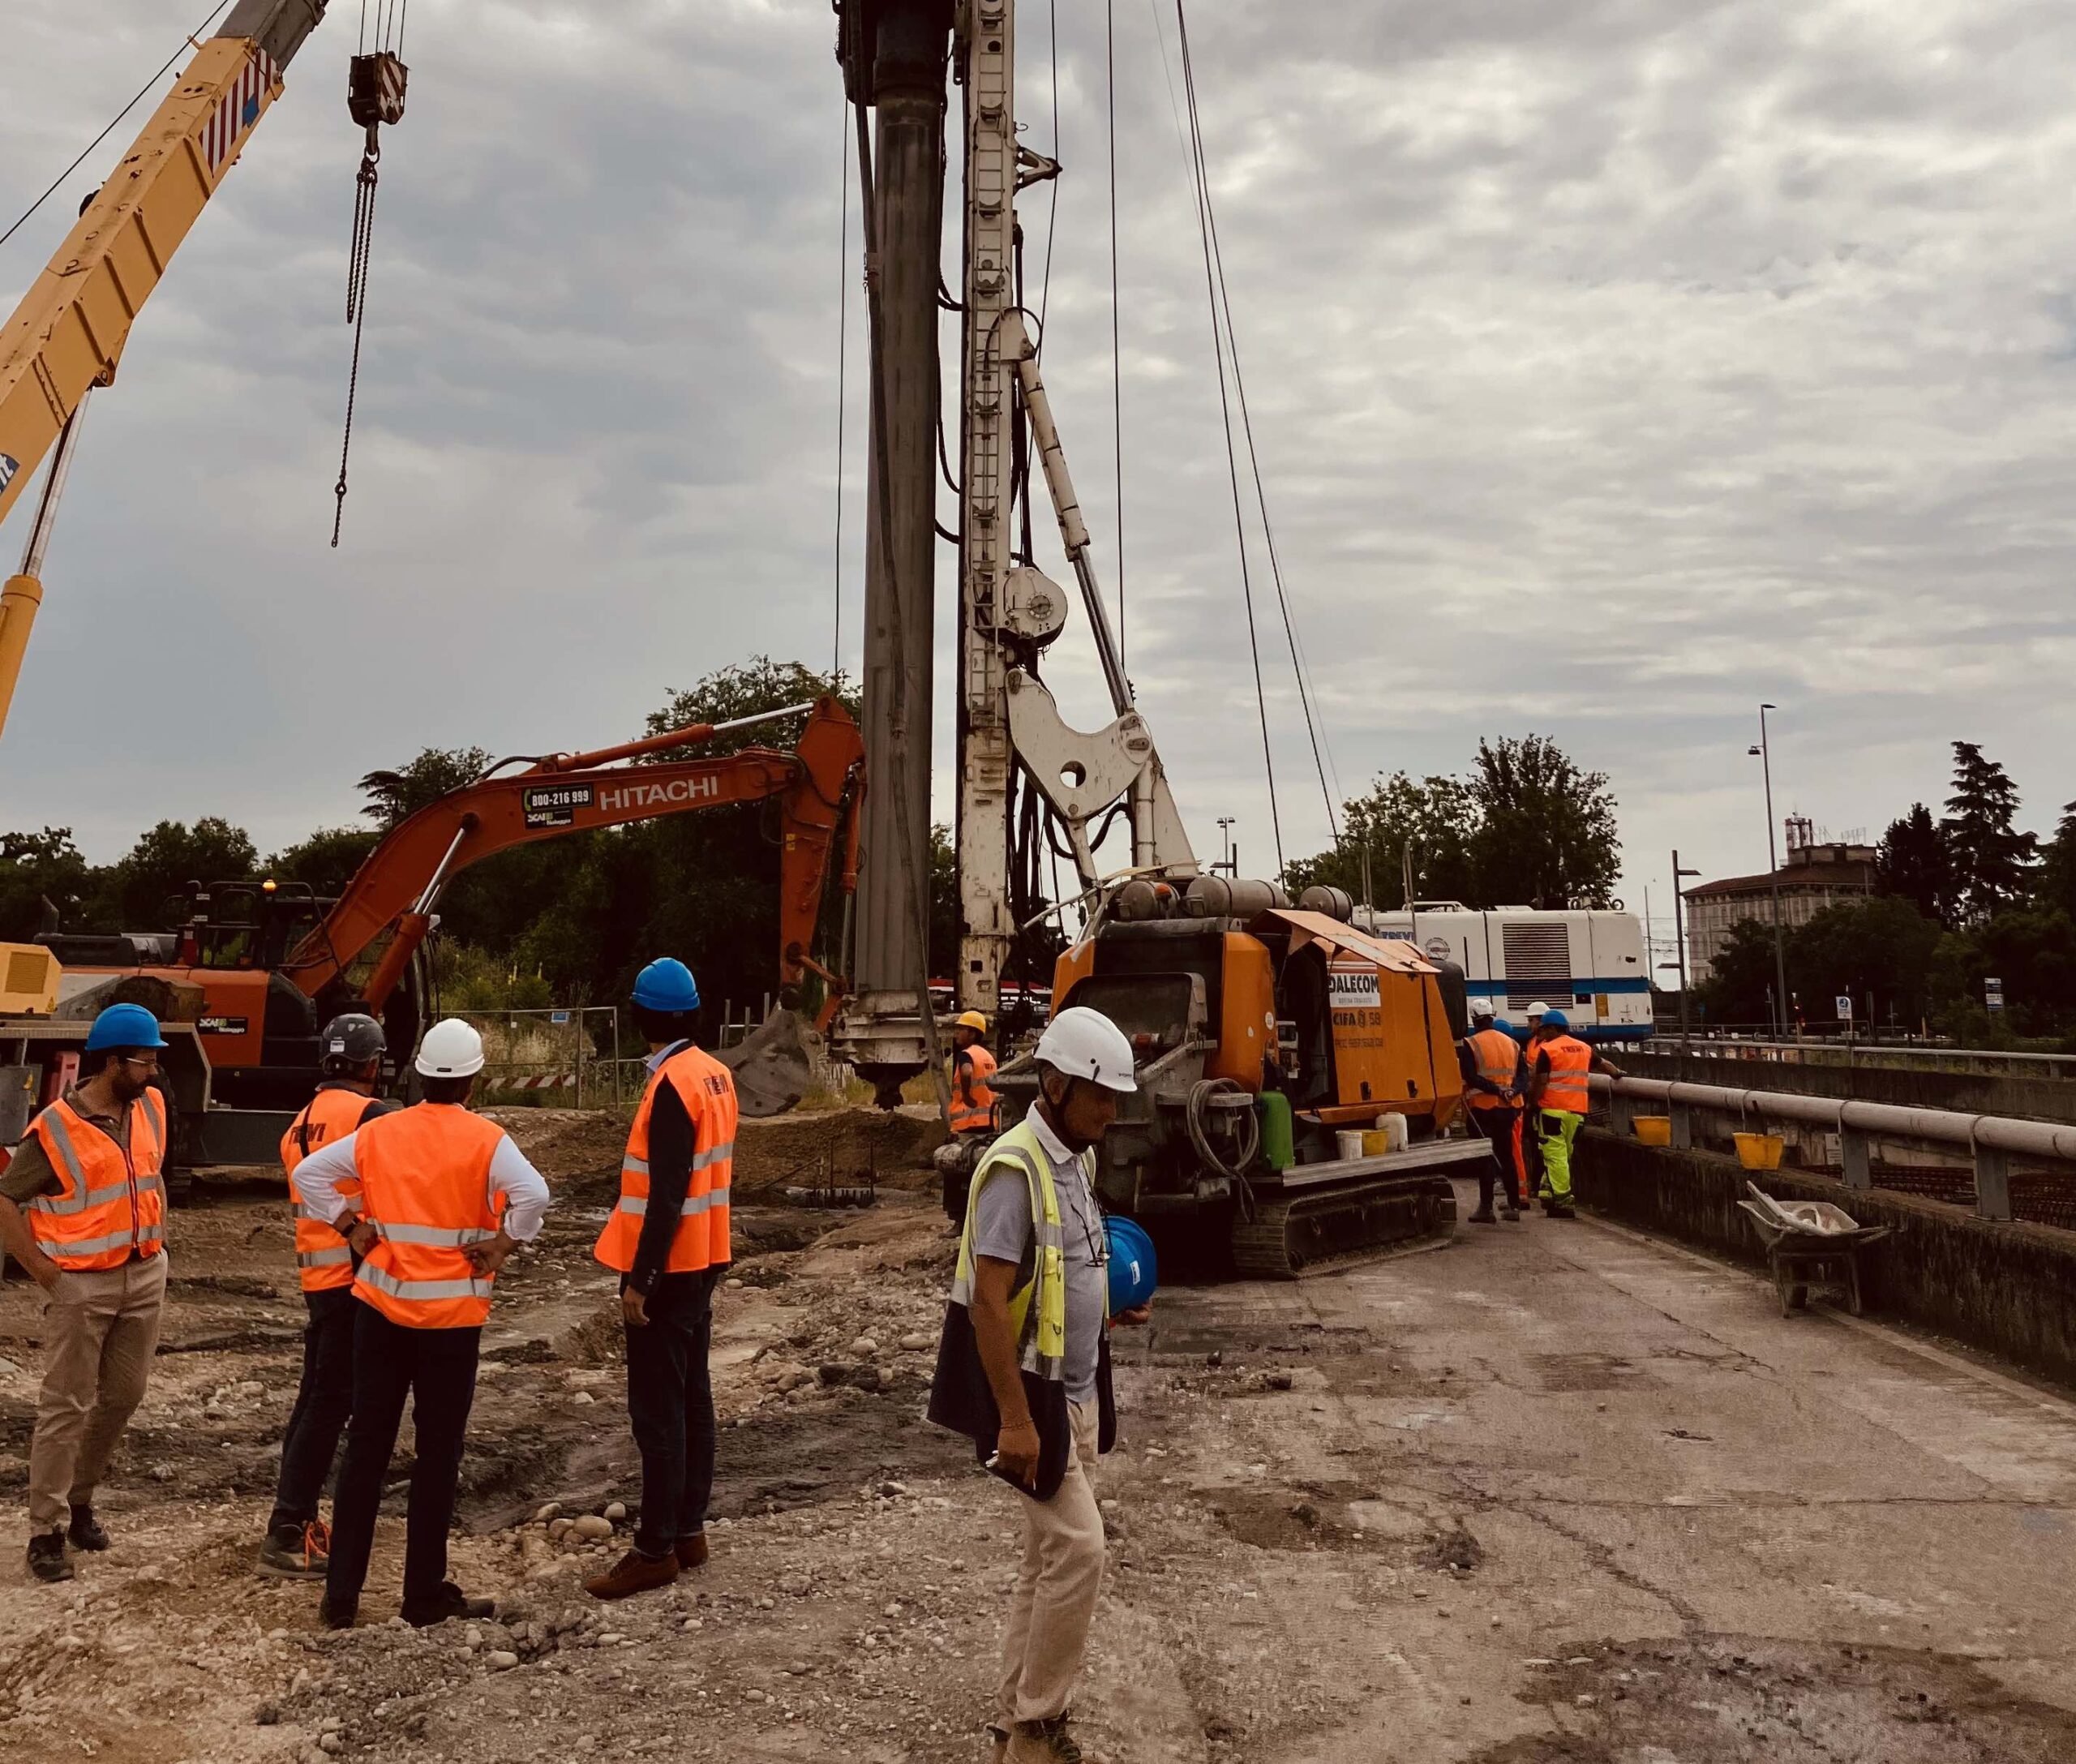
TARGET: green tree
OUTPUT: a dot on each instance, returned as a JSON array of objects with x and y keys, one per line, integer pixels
[
  {"x": 1881, "y": 948},
  {"x": 1740, "y": 982},
  {"x": 1545, "y": 834},
  {"x": 161, "y": 866},
  {"x": 395, "y": 796},
  {"x": 2055, "y": 884},
  {"x": 2032, "y": 950},
  {"x": 36, "y": 869},
  {"x": 1991, "y": 860},
  {"x": 326, "y": 861},
  {"x": 1913, "y": 864},
  {"x": 1527, "y": 827}
]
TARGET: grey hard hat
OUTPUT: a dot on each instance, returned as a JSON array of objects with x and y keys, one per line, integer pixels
[{"x": 351, "y": 1041}]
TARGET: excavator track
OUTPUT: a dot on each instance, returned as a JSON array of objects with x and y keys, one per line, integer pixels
[{"x": 1293, "y": 1237}]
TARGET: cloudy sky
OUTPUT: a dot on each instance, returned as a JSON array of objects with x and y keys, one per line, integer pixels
[{"x": 1615, "y": 365}]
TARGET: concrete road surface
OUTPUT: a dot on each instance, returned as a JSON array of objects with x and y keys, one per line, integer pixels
[{"x": 1560, "y": 1492}]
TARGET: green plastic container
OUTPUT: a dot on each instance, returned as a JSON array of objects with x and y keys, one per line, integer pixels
[{"x": 1278, "y": 1145}]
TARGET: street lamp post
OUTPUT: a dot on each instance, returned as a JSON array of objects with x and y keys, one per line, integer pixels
[
  {"x": 1764, "y": 753},
  {"x": 1225, "y": 838},
  {"x": 1679, "y": 939}
]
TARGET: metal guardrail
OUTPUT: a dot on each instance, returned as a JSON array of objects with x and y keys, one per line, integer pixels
[
  {"x": 1992, "y": 1061},
  {"x": 1991, "y": 1141}
]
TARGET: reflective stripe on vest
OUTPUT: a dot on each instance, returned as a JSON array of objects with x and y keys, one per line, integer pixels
[
  {"x": 707, "y": 1089},
  {"x": 1497, "y": 1055},
  {"x": 111, "y": 1202},
  {"x": 1565, "y": 1090},
  {"x": 1041, "y": 1329},
  {"x": 973, "y": 1100},
  {"x": 323, "y": 1262},
  {"x": 424, "y": 1189}
]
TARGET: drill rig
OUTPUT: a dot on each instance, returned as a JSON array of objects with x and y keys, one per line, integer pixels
[{"x": 1264, "y": 1032}]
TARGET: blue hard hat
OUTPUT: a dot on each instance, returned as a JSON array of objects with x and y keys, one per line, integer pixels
[
  {"x": 1133, "y": 1271},
  {"x": 666, "y": 984},
  {"x": 1555, "y": 1020},
  {"x": 124, "y": 1026}
]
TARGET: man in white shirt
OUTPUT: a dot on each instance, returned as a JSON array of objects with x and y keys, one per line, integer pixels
[{"x": 445, "y": 1197}]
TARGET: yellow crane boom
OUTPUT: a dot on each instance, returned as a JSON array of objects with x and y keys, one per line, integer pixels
[{"x": 68, "y": 334}]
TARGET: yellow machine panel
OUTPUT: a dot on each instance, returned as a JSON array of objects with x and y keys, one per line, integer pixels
[{"x": 28, "y": 979}]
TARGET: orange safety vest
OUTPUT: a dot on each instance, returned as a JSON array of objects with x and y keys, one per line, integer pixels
[
  {"x": 425, "y": 1188},
  {"x": 111, "y": 1202},
  {"x": 972, "y": 1101},
  {"x": 1570, "y": 1060},
  {"x": 1497, "y": 1055},
  {"x": 707, "y": 1089},
  {"x": 323, "y": 1262}
]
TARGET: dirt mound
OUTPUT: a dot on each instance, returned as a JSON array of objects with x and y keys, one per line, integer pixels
[{"x": 838, "y": 1145}]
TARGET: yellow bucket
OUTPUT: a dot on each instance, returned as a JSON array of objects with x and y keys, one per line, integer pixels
[
  {"x": 1760, "y": 1150},
  {"x": 1654, "y": 1129}
]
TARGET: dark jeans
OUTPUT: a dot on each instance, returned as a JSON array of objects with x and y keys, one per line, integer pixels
[
  {"x": 436, "y": 1369},
  {"x": 1497, "y": 1124},
  {"x": 323, "y": 1401},
  {"x": 669, "y": 1400}
]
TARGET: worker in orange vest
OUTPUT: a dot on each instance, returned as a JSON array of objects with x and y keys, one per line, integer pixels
[
  {"x": 445, "y": 1198},
  {"x": 972, "y": 1097},
  {"x": 297, "y": 1545},
  {"x": 83, "y": 1209},
  {"x": 1494, "y": 1086},
  {"x": 667, "y": 1239},
  {"x": 1557, "y": 1094}
]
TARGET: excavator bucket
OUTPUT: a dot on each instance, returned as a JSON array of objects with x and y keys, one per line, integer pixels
[{"x": 772, "y": 1069}]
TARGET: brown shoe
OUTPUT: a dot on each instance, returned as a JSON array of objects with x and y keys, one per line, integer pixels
[
  {"x": 1043, "y": 1742},
  {"x": 633, "y": 1572},
  {"x": 691, "y": 1552}
]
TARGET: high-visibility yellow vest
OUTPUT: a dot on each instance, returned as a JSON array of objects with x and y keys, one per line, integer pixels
[
  {"x": 707, "y": 1089},
  {"x": 1041, "y": 1329},
  {"x": 1497, "y": 1055},
  {"x": 322, "y": 1259},
  {"x": 110, "y": 1203}
]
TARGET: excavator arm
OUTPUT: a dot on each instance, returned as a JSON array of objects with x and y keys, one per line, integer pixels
[
  {"x": 397, "y": 887},
  {"x": 68, "y": 334}
]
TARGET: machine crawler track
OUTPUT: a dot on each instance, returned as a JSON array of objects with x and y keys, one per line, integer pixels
[{"x": 1291, "y": 1237}]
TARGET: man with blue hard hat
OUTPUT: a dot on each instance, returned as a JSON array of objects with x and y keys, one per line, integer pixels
[
  {"x": 667, "y": 1239},
  {"x": 83, "y": 1209},
  {"x": 1024, "y": 1367},
  {"x": 1558, "y": 1063}
]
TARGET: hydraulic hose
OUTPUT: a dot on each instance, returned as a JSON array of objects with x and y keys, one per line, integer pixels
[{"x": 1194, "y": 1115}]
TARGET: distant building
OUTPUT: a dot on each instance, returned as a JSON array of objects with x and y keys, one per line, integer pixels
[{"x": 1815, "y": 876}]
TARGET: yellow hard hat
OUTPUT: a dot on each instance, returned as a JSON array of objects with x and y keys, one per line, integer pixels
[{"x": 972, "y": 1019}]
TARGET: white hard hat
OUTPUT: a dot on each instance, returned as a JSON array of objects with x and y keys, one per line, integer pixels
[
  {"x": 451, "y": 1050},
  {"x": 1085, "y": 1044},
  {"x": 1481, "y": 1008},
  {"x": 1538, "y": 1010}
]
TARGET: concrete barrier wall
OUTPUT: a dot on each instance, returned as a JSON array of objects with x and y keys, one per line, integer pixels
[
  {"x": 2007, "y": 1288},
  {"x": 2039, "y": 1098}
]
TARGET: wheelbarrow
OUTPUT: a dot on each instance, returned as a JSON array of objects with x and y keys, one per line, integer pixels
[{"x": 1810, "y": 1243}]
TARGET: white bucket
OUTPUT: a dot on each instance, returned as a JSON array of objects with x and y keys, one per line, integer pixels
[{"x": 1350, "y": 1143}]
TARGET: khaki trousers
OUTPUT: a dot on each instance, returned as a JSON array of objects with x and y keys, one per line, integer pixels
[
  {"x": 100, "y": 1327},
  {"x": 1056, "y": 1590}
]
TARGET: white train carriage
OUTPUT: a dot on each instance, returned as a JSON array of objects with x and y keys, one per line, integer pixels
[{"x": 1589, "y": 964}]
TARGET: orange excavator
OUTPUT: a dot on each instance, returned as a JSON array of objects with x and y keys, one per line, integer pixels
[{"x": 272, "y": 963}]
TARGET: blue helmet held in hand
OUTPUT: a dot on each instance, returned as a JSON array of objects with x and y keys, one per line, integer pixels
[{"x": 1135, "y": 1271}]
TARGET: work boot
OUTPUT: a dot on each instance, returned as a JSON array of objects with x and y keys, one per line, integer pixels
[
  {"x": 450, "y": 1601},
  {"x": 1042, "y": 1742},
  {"x": 691, "y": 1551},
  {"x": 339, "y": 1614},
  {"x": 1483, "y": 1216},
  {"x": 85, "y": 1532},
  {"x": 47, "y": 1561},
  {"x": 1511, "y": 1214},
  {"x": 297, "y": 1552},
  {"x": 634, "y": 1573}
]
